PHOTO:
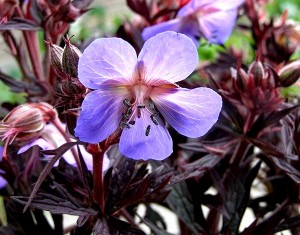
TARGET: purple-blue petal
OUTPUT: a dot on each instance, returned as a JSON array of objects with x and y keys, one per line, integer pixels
[
  {"x": 3, "y": 181},
  {"x": 168, "y": 56},
  {"x": 134, "y": 143},
  {"x": 190, "y": 112},
  {"x": 217, "y": 27},
  {"x": 171, "y": 25},
  {"x": 101, "y": 114},
  {"x": 104, "y": 59}
]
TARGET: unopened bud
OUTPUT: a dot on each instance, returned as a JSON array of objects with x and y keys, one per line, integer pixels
[
  {"x": 289, "y": 73},
  {"x": 56, "y": 54},
  {"x": 25, "y": 123},
  {"x": 70, "y": 58},
  {"x": 257, "y": 70}
]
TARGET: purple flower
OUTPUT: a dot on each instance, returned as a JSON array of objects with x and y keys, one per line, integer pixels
[
  {"x": 137, "y": 95},
  {"x": 212, "y": 19},
  {"x": 3, "y": 181},
  {"x": 51, "y": 139}
]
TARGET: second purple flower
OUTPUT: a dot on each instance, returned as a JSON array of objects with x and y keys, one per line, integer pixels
[{"x": 138, "y": 94}]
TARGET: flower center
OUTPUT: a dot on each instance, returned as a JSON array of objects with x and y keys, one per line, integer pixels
[{"x": 140, "y": 106}]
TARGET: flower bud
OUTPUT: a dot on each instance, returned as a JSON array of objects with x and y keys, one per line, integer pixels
[
  {"x": 257, "y": 70},
  {"x": 56, "y": 53},
  {"x": 6, "y": 9},
  {"x": 70, "y": 58},
  {"x": 25, "y": 123},
  {"x": 289, "y": 73}
]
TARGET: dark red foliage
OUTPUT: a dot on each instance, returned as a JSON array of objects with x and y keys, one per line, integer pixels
[{"x": 255, "y": 145}]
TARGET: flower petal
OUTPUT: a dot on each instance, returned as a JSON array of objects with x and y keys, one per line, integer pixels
[
  {"x": 196, "y": 5},
  {"x": 135, "y": 144},
  {"x": 101, "y": 114},
  {"x": 87, "y": 157},
  {"x": 217, "y": 27},
  {"x": 43, "y": 144},
  {"x": 106, "y": 58},
  {"x": 191, "y": 112},
  {"x": 171, "y": 25},
  {"x": 168, "y": 56},
  {"x": 225, "y": 5}
]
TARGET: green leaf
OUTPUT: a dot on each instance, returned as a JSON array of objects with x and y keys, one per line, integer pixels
[{"x": 7, "y": 96}]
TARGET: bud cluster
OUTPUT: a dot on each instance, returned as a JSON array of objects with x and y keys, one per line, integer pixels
[
  {"x": 64, "y": 62},
  {"x": 255, "y": 90},
  {"x": 6, "y": 9},
  {"x": 55, "y": 16},
  {"x": 25, "y": 123}
]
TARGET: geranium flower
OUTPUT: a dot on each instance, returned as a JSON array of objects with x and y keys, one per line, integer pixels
[
  {"x": 138, "y": 94},
  {"x": 211, "y": 19}
]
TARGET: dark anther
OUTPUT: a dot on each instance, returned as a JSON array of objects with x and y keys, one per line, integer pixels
[
  {"x": 147, "y": 130},
  {"x": 125, "y": 116},
  {"x": 129, "y": 111},
  {"x": 124, "y": 125},
  {"x": 141, "y": 106},
  {"x": 131, "y": 122},
  {"x": 151, "y": 105},
  {"x": 154, "y": 120},
  {"x": 127, "y": 103}
]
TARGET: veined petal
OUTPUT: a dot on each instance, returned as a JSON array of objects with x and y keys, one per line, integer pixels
[
  {"x": 101, "y": 114},
  {"x": 171, "y": 25},
  {"x": 226, "y": 5},
  {"x": 168, "y": 56},
  {"x": 135, "y": 144},
  {"x": 191, "y": 112},
  {"x": 196, "y": 5},
  {"x": 43, "y": 144},
  {"x": 87, "y": 157},
  {"x": 217, "y": 27},
  {"x": 191, "y": 7},
  {"x": 106, "y": 58}
]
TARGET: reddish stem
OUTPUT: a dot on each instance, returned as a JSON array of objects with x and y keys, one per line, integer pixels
[
  {"x": 56, "y": 122},
  {"x": 98, "y": 155},
  {"x": 33, "y": 49}
]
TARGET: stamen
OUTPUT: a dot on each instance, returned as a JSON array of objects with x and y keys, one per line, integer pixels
[
  {"x": 127, "y": 103},
  {"x": 131, "y": 122},
  {"x": 124, "y": 125},
  {"x": 125, "y": 116},
  {"x": 154, "y": 120},
  {"x": 141, "y": 106},
  {"x": 129, "y": 111},
  {"x": 147, "y": 130},
  {"x": 151, "y": 105}
]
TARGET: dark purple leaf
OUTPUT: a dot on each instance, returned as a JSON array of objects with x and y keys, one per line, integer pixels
[
  {"x": 237, "y": 196},
  {"x": 155, "y": 218},
  {"x": 58, "y": 153},
  {"x": 286, "y": 166},
  {"x": 267, "y": 225},
  {"x": 19, "y": 24},
  {"x": 267, "y": 148},
  {"x": 180, "y": 203},
  {"x": 290, "y": 223},
  {"x": 273, "y": 118},
  {"x": 120, "y": 227},
  {"x": 101, "y": 228},
  {"x": 19, "y": 86},
  {"x": 196, "y": 168},
  {"x": 140, "y": 7},
  {"x": 81, "y": 4}
]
